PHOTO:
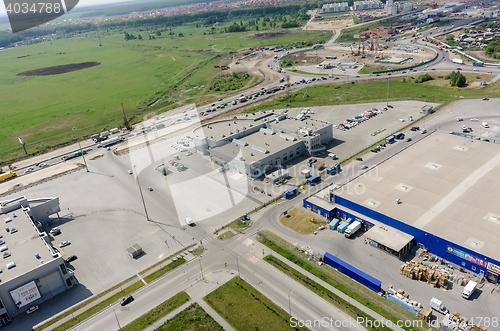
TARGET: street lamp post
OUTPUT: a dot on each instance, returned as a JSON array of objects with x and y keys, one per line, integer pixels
[
  {"x": 201, "y": 269},
  {"x": 237, "y": 263},
  {"x": 76, "y": 134},
  {"x": 140, "y": 190},
  {"x": 116, "y": 318},
  {"x": 290, "y": 304},
  {"x": 388, "y": 78}
]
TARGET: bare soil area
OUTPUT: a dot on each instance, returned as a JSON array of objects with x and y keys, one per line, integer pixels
[
  {"x": 57, "y": 70},
  {"x": 268, "y": 35},
  {"x": 343, "y": 54}
]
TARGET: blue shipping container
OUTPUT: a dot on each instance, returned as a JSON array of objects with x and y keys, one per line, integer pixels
[
  {"x": 314, "y": 179},
  {"x": 333, "y": 224},
  {"x": 291, "y": 192},
  {"x": 333, "y": 169},
  {"x": 356, "y": 274},
  {"x": 344, "y": 225}
]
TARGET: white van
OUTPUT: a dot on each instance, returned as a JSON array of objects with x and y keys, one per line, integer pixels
[{"x": 485, "y": 125}]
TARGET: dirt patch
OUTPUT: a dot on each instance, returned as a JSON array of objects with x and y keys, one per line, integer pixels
[
  {"x": 56, "y": 70},
  {"x": 267, "y": 35},
  {"x": 301, "y": 221},
  {"x": 198, "y": 51}
]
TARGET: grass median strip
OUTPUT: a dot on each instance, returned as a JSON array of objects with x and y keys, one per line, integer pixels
[
  {"x": 325, "y": 294},
  {"x": 193, "y": 318},
  {"x": 245, "y": 308},
  {"x": 160, "y": 272},
  {"x": 105, "y": 303},
  {"x": 375, "y": 302},
  {"x": 98, "y": 307},
  {"x": 158, "y": 312}
]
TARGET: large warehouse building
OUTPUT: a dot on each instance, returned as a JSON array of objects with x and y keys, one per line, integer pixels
[
  {"x": 439, "y": 193},
  {"x": 33, "y": 270},
  {"x": 253, "y": 144}
]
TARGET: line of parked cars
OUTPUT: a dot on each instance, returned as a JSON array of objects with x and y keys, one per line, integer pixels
[{"x": 352, "y": 122}]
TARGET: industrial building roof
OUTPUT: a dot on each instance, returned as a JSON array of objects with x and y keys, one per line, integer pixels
[
  {"x": 447, "y": 185},
  {"x": 22, "y": 245},
  {"x": 389, "y": 237},
  {"x": 256, "y": 144},
  {"x": 323, "y": 203}
]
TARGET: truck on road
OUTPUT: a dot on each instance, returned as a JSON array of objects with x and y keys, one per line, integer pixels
[
  {"x": 438, "y": 306},
  {"x": 113, "y": 131},
  {"x": 7, "y": 175},
  {"x": 469, "y": 289},
  {"x": 478, "y": 64},
  {"x": 457, "y": 61},
  {"x": 352, "y": 228}
]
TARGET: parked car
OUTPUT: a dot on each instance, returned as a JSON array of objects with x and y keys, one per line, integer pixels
[
  {"x": 128, "y": 299},
  {"x": 32, "y": 309},
  {"x": 408, "y": 140},
  {"x": 474, "y": 120},
  {"x": 150, "y": 189},
  {"x": 129, "y": 172},
  {"x": 64, "y": 243},
  {"x": 71, "y": 258},
  {"x": 55, "y": 231}
]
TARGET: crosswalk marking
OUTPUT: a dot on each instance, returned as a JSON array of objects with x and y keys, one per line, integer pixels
[
  {"x": 253, "y": 260},
  {"x": 248, "y": 241},
  {"x": 207, "y": 240}
]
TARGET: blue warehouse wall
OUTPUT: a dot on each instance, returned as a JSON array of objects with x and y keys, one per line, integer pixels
[
  {"x": 443, "y": 248},
  {"x": 318, "y": 210}
]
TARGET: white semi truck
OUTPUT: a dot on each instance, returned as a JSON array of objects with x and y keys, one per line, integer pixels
[{"x": 351, "y": 229}]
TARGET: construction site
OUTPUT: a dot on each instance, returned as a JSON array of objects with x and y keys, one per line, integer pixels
[{"x": 372, "y": 50}]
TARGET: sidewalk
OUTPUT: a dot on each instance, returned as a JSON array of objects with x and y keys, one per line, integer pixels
[
  {"x": 188, "y": 256},
  {"x": 342, "y": 295}
]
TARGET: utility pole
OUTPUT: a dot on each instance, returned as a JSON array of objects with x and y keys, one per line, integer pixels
[
  {"x": 125, "y": 119},
  {"x": 116, "y": 319},
  {"x": 74, "y": 129},
  {"x": 21, "y": 141},
  {"x": 99, "y": 36},
  {"x": 238, "y": 266}
]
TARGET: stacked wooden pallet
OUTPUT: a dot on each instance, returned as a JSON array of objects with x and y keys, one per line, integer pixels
[{"x": 416, "y": 270}]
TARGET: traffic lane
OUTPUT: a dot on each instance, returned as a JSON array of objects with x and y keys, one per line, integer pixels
[
  {"x": 305, "y": 305},
  {"x": 144, "y": 300}
]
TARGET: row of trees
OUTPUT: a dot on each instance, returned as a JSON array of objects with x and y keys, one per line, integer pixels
[
  {"x": 493, "y": 49},
  {"x": 296, "y": 10}
]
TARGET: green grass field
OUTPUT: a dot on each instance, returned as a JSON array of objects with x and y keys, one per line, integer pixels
[
  {"x": 193, "y": 318},
  {"x": 361, "y": 93},
  {"x": 43, "y": 110},
  {"x": 239, "y": 304}
]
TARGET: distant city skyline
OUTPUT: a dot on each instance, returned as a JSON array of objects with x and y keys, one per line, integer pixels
[{"x": 81, "y": 3}]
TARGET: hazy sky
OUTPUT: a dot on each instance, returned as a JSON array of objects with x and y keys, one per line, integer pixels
[{"x": 81, "y": 3}]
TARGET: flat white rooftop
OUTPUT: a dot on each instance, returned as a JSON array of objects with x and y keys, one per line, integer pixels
[
  {"x": 448, "y": 185},
  {"x": 22, "y": 245}
]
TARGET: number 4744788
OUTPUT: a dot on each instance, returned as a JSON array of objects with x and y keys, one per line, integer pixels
[{"x": 33, "y": 8}]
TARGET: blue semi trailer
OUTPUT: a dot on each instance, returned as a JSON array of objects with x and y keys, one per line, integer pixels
[{"x": 354, "y": 273}]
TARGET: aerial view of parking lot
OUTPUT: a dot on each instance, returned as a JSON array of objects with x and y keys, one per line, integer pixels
[{"x": 291, "y": 165}]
